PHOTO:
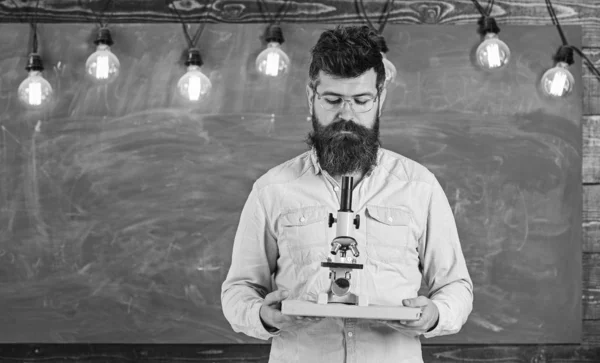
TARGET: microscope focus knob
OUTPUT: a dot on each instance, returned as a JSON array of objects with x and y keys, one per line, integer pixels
[
  {"x": 331, "y": 220},
  {"x": 357, "y": 221}
]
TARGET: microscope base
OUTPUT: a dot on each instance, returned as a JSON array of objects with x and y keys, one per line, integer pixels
[
  {"x": 375, "y": 312},
  {"x": 328, "y": 298}
]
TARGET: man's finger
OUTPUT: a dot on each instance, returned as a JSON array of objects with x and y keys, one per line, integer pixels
[
  {"x": 309, "y": 318},
  {"x": 416, "y": 302},
  {"x": 412, "y": 323},
  {"x": 276, "y": 297},
  {"x": 397, "y": 323}
]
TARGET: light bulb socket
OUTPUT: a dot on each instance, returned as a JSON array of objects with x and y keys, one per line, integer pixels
[
  {"x": 564, "y": 54},
  {"x": 487, "y": 24},
  {"x": 194, "y": 58},
  {"x": 34, "y": 63},
  {"x": 104, "y": 37},
  {"x": 274, "y": 34},
  {"x": 380, "y": 41}
]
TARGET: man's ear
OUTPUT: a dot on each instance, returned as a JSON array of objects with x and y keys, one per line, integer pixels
[
  {"x": 310, "y": 98},
  {"x": 382, "y": 100}
]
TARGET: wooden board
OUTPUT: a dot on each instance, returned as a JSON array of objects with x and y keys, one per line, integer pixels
[
  {"x": 591, "y": 151},
  {"x": 308, "y": 308},
  {"x": 514, "y": 12},
  {"x": 259, "y": 353}
]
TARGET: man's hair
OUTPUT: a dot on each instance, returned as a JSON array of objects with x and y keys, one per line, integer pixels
[{"x": 347, "y": 52}]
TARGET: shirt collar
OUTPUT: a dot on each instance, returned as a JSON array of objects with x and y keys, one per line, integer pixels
[
  {"x": 317, "y": 167},
  {"x": 315, "y": 161}
]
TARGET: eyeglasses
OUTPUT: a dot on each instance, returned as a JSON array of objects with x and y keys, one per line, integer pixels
[{"x": 358, "y": 104}]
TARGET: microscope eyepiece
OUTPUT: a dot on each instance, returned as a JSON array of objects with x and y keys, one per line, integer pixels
[{"x": 346, "y": 197}]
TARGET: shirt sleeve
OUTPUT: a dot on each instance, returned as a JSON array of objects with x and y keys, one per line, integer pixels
[
  {"x": 444, "y": 267},
  {"x": 253, "y": 261}
]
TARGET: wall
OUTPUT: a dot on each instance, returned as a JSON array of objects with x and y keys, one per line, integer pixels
[{"x": 585, "y": 13}]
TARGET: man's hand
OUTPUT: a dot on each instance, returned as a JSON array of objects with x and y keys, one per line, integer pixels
[
  {"x": 429, "y": 316},
  {"x": 271, "y": 316}
]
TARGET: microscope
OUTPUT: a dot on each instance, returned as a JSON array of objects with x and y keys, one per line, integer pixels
[
  {"x": 338, "y": 301},
  {"x": 345, "y": 251}
]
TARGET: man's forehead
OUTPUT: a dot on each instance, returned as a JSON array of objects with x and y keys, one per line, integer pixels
[{"x": 365, "y": 82}]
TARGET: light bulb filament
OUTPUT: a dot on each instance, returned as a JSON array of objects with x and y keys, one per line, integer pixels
[
  {"x": 35, "y": 93},
  {"x": 102, "y": 67},
  {"x": 194, "y": 88},
  {"x": 557, "y": 86},
  {"x": 493, "y": 55},
  {"x": 272, "y": 64}
]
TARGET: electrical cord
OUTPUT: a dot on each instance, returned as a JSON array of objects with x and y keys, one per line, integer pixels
[
  {"x": 385, "y": 13},
  {"x": 564, "y": 55},
  {"x": 32, "y": 24},
  {"x": 99, "y": 16},
  {"x": 486, "y": 13},
  {"x": 555, "y": 22},
  {"x": 281, "y": 12},
  {"x": 192, "y": 41},
  {"x": 487, "y": 23}
]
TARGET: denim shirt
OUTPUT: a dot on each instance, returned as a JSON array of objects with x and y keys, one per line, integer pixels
[{"x": 407, "y": 233}]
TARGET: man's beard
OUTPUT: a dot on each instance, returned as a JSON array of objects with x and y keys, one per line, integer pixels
[{"x": 345, "y": 153}]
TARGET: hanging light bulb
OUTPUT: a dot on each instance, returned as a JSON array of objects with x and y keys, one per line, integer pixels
[
  {"x": 35, "y": 91},
  {"x": 558, "y": 81},
  {"x": 194, "y": 85},
  {"x": 103, "y": 66},
  {"x": 492, "y": 53},
  {"x": 390, "y": 69},
  {"x": 273, "y": 61}
]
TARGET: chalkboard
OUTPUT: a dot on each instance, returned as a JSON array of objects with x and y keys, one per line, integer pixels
[{"x": 119, "y": 205}]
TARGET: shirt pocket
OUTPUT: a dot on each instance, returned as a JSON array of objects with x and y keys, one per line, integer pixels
[
  {"x": 388, "y": 233},
  {"x": 304, "y": 232}
]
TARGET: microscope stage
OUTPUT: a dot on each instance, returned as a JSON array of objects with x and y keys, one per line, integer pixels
[{"x": 355, "y": 266}]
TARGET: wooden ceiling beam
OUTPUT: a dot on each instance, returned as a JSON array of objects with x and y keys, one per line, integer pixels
[
  {"x": 513, "y": 12},
  {"x": 249, "y": 11}
]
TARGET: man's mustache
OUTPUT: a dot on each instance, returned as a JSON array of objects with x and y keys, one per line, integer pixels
[{"x": 343, "y": 125}]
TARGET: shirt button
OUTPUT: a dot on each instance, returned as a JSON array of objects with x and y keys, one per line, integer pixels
[
  {"x": 390, "y": 219},
  {"x": 302, "y": 219},
  {"x": 336, "y": 188},
  {"x": 350, "y": 334}
]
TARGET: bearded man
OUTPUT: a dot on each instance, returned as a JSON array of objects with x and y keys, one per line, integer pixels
[{"x": 407, "y": 233}]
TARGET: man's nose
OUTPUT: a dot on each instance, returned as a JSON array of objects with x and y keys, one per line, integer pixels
[{"x": 346, "y": 112}]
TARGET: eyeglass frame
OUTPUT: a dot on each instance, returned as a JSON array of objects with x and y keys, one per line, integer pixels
[{"x": 345, "y": 100}]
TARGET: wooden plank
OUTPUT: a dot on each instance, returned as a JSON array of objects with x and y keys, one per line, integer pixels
[
  {"x": 235, "y": 353},
  {"x": 591, "y": 218},
  {"x": 591, "y": 83},
  {"x": 517, "y": 12},
  {"x": 591, "y": 286},
  {"x": 591, "y": 149},
  {"x": 510, "y": 354},
  {"x": 591, "y": 333},
  {"x": 238, "y": 353}
]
